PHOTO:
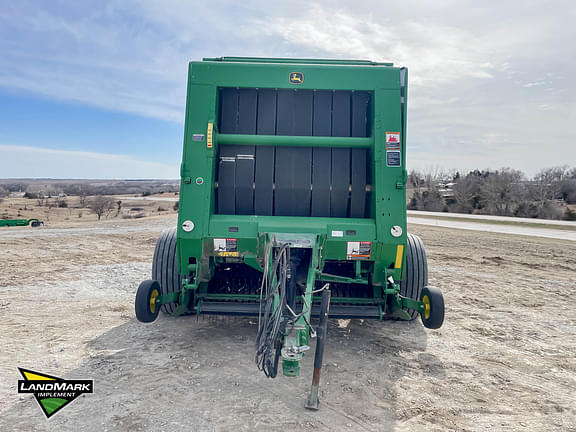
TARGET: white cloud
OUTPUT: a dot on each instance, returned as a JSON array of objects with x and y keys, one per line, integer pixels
[
  {"x": 37, "y": 162},
  {"x": 435, "y": 53},
  {"x": 476, "y": 68},
  {"x": 93, "y": 58}
]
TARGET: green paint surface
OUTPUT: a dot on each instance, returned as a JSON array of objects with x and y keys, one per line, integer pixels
[{"x": 387, "y": 194}]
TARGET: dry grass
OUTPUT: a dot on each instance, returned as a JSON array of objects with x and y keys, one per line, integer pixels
[{"x": 52, "y": 214}]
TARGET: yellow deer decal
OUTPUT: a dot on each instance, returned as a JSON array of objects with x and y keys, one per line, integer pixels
[{"x": 296, "y": 78}]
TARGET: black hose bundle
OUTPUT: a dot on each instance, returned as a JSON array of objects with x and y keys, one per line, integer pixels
[{"x": 270, "y": 322}]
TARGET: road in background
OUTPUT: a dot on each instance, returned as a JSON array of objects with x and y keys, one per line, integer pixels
[
  {"x": 137, "y": 198},
  {"x": 507, "y": 219},
  {"x": 566, "y": 230},
  {"x": 497, "y": 224}
]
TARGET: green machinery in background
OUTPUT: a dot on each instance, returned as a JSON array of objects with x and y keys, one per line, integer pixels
[
  {"x": 20, "y": 222},
  {"x": 293, "y": 180}
]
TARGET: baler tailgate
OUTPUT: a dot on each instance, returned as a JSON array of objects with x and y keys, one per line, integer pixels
[{"x": 292, "y": 195}]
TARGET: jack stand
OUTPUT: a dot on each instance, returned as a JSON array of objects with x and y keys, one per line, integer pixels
[{"x": 312, "y": 402}]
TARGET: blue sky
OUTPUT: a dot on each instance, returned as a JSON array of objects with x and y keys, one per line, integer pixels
[{"x": 97, "y": 89}]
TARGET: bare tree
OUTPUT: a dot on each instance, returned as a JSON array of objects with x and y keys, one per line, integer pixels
[
  {"x": 82, "y": 200},
  {"x": 102, "y": 206},
  {"x": 426, "y": 195},
  {"x": 501, "y": 191},
  {"x": 82, "y": 197},
  {"x": 568, "y": 188},
  {"x": 49, "y": 206},
  {"x": 548, "y": 184},
  {"x": 466, "y": 190}
]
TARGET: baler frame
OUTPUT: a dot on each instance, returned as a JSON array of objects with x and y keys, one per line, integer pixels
[
  {"x": 295, "y": 343},
  {"x": 355, "y": 122}
]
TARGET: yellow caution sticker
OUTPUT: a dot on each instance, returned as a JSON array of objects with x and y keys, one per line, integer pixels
[
  {"x": 399, "y": 255},
  {"x": 227, "y": 254},
  {"x": 209, "y": 135}
]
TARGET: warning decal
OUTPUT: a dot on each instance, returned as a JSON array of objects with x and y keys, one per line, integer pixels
[
  {"x": 226, "y": 247},
  {"x": 393, "y": 158},
  {"x": 392, "y": 140},
  {"x": 358, "y": 250}
]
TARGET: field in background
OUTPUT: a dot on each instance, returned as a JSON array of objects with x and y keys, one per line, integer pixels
[
  {"x": 67, "y": 201},
  {"x": 504, "y": 359},
  {"x": 76, "y": 212},
  {"x": 58, "y": 202}
]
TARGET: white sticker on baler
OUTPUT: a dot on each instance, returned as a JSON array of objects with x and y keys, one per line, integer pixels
[
  {"x": 337, "y": 233},
  {"x": 226, "y": 247},
  {"x": 358, "y": 250}
]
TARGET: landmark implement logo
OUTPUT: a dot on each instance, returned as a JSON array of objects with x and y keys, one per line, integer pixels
[{"x": 52, "y": 393}]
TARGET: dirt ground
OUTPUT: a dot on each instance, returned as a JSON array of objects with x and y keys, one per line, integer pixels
[
  {"x": 72, "y": 210},
  {"x": 504, "y": 360}
]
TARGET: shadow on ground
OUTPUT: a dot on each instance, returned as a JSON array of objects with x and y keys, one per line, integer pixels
[{"x": 199, "y": 374}]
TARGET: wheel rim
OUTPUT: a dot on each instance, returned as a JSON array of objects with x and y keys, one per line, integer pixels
[
  {"x": 426, "y": 302},
  {"x": 153, "y": 300}
]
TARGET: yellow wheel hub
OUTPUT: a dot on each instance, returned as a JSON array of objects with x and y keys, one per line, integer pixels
[
  {"x": 153, "y": 300},
  {"x": 426, "y": 302}
]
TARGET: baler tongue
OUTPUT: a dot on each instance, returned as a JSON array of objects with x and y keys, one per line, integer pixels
[{"x": 284, "y": 322}]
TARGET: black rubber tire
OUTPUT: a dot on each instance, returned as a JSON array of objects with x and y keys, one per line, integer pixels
[
  {"x": 415, "y": 272},
  {"x": 436, "y": 302},
  {"x": 165, "y": 267},
  {"x": 145, "y": 311}
]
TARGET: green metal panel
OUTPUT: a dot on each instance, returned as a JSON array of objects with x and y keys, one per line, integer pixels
[
  {"x": 296, "y": 61},
  {"x": 295, "y": 141},
  {"x": 316, "y": 76}
]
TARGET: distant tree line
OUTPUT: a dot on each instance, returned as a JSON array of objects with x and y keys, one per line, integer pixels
[
  {"x": 35, "y": 189},
  {"x": 503, "y": 192}
]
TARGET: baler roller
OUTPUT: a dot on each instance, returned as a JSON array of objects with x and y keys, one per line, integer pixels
[{"x": 293, "y": 181}]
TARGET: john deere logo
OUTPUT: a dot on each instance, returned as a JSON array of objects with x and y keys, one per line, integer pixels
[
  {"x": 296, "y": 77},
  {"x": 52, "y": 393}
]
